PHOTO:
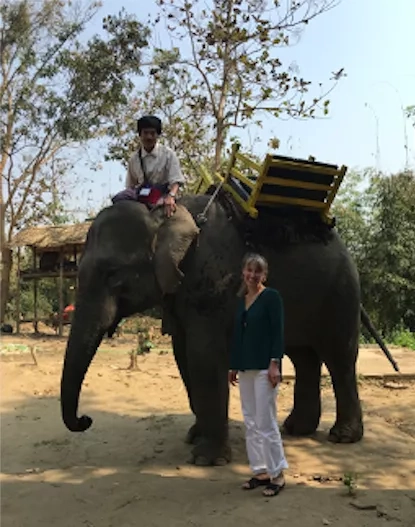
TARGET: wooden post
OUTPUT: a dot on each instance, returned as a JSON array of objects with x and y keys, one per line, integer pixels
[
  {"x": 18, "y": 293},
  {"x": 75, "y": 281},
  {"x": 61, "y": 293},
  {"x": 35, "y": 286},
  {"x": 34, "y": 355},
  {"x": 232, "y": 160},
  {"x": 77, "y": 255}
]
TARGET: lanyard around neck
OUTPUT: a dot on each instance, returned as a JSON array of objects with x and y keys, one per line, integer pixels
[{"x": 142, "y": 166}]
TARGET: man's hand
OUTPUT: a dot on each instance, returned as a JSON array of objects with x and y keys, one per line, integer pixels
[
  {"x": 232, "y": 377},
  {"x": 274, "y": 374},
  {"x": 169, "y": 206}
]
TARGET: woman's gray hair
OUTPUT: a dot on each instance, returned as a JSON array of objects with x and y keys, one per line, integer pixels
[{"x": 257, "y": 261}]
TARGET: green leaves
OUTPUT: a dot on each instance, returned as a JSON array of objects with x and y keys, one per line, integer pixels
[
  {"x": 57, "y": 91},
  {"x": 376, "y": 224},
  {"x": 100, "y": 76}
]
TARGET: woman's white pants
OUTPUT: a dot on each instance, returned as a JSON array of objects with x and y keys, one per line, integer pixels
[{"x": 263, "y": 439}]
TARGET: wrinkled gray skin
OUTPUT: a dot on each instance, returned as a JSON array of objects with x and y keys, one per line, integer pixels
[{"x": 319, "y": 285}]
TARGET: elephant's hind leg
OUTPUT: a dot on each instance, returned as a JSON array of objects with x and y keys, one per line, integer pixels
[
  {"x": 348, "y": 427},
  {"x": 305, "y": 415}
]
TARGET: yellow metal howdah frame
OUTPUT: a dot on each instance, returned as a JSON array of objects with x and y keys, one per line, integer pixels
[{"x": 259, "y": 175}]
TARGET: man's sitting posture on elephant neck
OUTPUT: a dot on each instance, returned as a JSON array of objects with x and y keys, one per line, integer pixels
[{"x": 155, "y": 165}]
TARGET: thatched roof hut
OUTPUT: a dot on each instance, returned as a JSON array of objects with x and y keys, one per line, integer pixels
[
  {"x": 52, "y": 237},
  {"x": 56, "y": 249}
]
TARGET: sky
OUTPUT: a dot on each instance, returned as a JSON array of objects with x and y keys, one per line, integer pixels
[{"x": 374, "y": 41}]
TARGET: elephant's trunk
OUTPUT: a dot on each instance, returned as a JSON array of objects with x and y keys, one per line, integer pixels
[{"x": 88, "y": 328}]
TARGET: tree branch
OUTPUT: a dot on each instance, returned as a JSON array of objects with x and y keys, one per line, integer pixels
[
  {"x": 197, "y": 64},
  {"x": 35, "y": 170}
]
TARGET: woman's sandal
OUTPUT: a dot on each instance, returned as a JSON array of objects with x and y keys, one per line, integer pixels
[
  {"x": 254, "y": 482},
  {"x": 273, "y": 489}
]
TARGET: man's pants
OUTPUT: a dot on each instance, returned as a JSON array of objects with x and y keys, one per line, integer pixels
[{"x": 263, "y": 439}]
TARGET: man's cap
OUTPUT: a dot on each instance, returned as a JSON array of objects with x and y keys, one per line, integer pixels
[{"x": 149, "y": 121}]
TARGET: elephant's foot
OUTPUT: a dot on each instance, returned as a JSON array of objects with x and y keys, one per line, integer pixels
[
  {"x": 207, "y": 454},
  {"x": 193, "y": 436},
  {"x": 351, "y": 432},
  {"x": 301, "y": 424}
]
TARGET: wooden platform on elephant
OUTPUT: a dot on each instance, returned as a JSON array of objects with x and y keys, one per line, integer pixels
[{"x": 282, "y": 182}]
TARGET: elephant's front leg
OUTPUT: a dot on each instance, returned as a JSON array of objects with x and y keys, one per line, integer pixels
[
  {"x": 180, "y": 355},
  {"x": 207, "y": 360}
]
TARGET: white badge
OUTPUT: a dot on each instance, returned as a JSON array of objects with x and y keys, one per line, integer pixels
[{"x": 145, "y": 191}]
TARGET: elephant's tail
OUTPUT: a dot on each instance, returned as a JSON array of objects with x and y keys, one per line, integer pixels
[{"x": 369, "y": 326}]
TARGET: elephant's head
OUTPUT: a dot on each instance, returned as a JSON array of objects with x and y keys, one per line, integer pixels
[{"x": 131, "y": 259}]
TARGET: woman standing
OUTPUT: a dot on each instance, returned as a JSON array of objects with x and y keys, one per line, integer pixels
[{"x": 258, "y": 347}]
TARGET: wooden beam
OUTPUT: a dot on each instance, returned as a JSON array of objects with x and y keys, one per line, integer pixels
[
  {"x": 219, "y": 176},
  {"x": 302, "y": 167},
  {"x": 250, "y": 210},
  {"x": 252, "y": 202},
  {"x": 35, "y": 289},
  {"x": 266, "y": 198},
  {"x": 206, "y": 178},
  {"x": 294, "y": 183},
  {"x": 18, "y": 293},
  {"x": 235, "y": 172},
  {"x": 337, "y": 183},
  {"x": 245, "y": 160},
  {"x": 232, "y": 160}
]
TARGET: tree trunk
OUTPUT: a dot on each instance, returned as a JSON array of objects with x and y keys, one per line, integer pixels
[
  {"x": 218, "y": 146},
  {"x": 6, "y": 267}
]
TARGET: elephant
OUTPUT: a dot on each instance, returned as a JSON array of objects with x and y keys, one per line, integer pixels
[{"x": 135, "y": 259}]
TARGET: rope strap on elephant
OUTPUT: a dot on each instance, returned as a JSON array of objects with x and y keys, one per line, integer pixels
[{"x": 202, "y": 217}]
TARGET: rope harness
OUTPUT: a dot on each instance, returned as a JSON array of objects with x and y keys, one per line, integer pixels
[{"x": 202, "y": 218}]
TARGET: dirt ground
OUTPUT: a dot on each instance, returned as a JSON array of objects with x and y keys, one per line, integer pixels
[{"x": 130, "y": 467}]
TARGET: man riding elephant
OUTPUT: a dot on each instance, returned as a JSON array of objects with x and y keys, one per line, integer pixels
[
  {"x": 153, "y": 178},
  {"x": 154, "y": 175}
]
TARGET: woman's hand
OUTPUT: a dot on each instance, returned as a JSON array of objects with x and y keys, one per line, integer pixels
[
  {"x": 274, "y": 374},
  {"x": 233, "y": 377}
]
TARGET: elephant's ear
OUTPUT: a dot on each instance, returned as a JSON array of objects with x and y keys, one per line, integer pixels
[{"x": 173, "y": 239}]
